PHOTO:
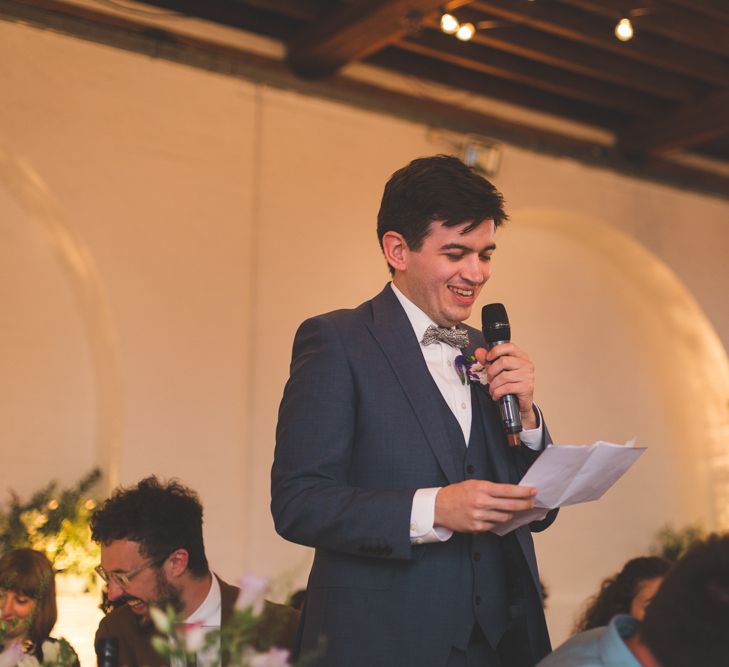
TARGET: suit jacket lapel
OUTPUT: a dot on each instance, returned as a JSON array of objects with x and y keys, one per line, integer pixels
[
  {"x": 228, "y": 598},
  {"x": 393, "y": 332}
]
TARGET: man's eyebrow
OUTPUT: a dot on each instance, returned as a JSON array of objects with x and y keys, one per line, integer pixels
[{"x": 465, "y": 248}]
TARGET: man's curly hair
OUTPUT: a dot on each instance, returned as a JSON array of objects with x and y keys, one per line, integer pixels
[{"x": 159, "y": 517}]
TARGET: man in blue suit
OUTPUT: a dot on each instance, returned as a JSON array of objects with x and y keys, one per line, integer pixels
[{"x": 395, "y": 470}]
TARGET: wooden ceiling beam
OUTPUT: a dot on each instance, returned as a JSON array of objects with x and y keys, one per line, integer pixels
[
  {"x": 438, "y": 72},
  {"x": 543, "y": 77},
  {"x": 680, "y": 26},
  {"x": 715, "y": 9},
  {"x": 135, "y": 36},
  {"x": 306, "y": 10},
  {"x": 688, "y": 126},
  {"x": 353, "y": 32},
  {"x": 595, "y": 63},
  {"x": 597, "y": 31}
]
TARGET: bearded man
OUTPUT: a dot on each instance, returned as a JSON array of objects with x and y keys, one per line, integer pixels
[{"x": 153, "y": 555}]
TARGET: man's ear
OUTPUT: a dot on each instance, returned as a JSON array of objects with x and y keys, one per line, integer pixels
[
  {"x": 395, "y": 249},
  {"x": 178, "y": 560}
]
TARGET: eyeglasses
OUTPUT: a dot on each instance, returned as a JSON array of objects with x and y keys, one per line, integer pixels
[{"x": 122, "y": 579}]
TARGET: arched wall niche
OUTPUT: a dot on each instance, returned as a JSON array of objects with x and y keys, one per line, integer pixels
[
  {"x": 59, "y": 346},
  {"x": 622, "y": 349},
  {"x": 61, "y": 402}
]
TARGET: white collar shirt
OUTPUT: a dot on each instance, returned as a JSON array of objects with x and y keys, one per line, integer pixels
[
  {"x": 209, "y": 616},
  {"x": 440, "y": 360}
]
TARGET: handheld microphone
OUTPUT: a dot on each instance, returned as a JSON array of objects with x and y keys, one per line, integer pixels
[
  {"x": 496, "y": 330},
  {"x": 107, "y": 652}
]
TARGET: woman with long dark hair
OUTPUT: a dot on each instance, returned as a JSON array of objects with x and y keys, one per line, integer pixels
[{"x": 28, "y": 612}]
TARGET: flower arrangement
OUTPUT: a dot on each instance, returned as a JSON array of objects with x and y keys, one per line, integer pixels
[
  {"x": 56, "y": 653},
  {"x": 14, "y": 653},
  {"x": 470, "y": 370},
  {"x": 57, "y": 524},
  {"x": 237, "y": 640}
]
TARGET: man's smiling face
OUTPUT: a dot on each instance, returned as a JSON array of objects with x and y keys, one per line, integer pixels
[
  {"x": 147, "y": 587},
  {"x": 445, "y": 276}
]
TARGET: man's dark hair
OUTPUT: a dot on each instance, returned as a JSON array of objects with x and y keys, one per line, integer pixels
[
  {"x": 439, "y": 188},
  {"x": 687, "y": 623},
  {"x": 160, "y": 517}
]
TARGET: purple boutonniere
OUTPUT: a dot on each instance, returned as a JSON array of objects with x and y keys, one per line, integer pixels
[{"x": 469, "y": 370}]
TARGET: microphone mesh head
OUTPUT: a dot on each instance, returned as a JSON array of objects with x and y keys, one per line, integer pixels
[{"x": 495, "y": 323}]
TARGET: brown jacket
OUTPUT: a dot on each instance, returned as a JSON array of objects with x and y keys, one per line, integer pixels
[{"x": 135, "y": 633}]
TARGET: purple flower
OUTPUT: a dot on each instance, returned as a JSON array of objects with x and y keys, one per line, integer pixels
[{"x": 469, "y": 370}]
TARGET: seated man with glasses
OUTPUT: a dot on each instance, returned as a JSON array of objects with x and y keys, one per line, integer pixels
[{"x": 152, "y": 554}]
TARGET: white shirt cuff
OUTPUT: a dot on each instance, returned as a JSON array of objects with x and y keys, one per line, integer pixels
[
  {"x": 422, "y": 519},
  {"x": 532, "y": 437}
]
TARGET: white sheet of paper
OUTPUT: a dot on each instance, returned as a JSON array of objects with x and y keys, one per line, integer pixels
[{"x": 570, "y": 474}]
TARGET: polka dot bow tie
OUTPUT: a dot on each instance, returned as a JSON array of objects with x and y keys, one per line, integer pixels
[{"x": 453, "y": 337}]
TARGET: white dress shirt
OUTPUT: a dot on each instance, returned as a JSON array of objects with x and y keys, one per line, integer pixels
[
  {"x": 209, "y": 615},
  {"x": 439, "y": 358}
]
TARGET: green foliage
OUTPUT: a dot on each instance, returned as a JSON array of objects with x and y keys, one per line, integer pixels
[
  {"x": 8, "y": 629},
  {"x": 55, "y": 522},
  {"x": 671, "y": 543},
  {"x": 66, "y": 655},
  {"x": 236, "y": 639},
  {"x": 56, "y": 653},
  {"x": 59, "y": 654}
]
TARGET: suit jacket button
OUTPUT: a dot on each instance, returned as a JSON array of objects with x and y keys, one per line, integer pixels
[{"x": 470, "y": 469}]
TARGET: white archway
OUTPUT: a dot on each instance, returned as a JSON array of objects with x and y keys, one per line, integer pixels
[{"x": 60, "y": 342}]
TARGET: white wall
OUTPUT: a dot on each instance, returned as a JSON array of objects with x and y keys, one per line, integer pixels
[{"x": 164, "y": 230}]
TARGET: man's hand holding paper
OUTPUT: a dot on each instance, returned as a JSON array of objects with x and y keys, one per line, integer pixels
[{"x": 570, "y": 474}]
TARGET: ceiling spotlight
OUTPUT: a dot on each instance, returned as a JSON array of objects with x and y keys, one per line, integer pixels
[
  {"x": 465, "y": 31},
  {"x": 449, "y": 24},
  {"x": 624, "y": 30}
]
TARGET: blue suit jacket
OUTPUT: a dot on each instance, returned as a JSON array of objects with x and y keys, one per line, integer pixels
[{"x": 361, "y": 427}]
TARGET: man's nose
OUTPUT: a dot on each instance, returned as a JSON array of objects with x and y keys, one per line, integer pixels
[
  {"x": 114, "y": 590},
  {"x": 474, "y": 270}
]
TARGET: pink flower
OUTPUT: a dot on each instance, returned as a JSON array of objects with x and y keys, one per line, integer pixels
[
  {"x": 275, "y": 657},
  {"x": 194, "y": 636},
  {"x": 252, "y": 593}
]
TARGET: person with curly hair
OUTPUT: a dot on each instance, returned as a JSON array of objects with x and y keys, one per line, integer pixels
[
  {"x": 686, "y": 624},
  {"x": 630, "y": 591},
  {"x": 153, "y": 555},
  {"x": 28, "y": 612}
]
